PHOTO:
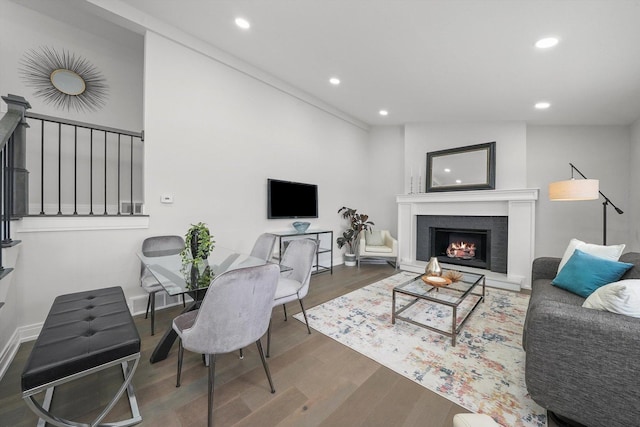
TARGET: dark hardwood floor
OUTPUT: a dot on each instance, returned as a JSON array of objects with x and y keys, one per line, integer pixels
[{"x": 318, "y": 381}]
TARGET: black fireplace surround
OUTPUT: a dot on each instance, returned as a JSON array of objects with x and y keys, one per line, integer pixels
[{"x": 489, "y": 234}]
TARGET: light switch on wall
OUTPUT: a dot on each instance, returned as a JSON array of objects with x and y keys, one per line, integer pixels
[{"x": 166, "y": 198}]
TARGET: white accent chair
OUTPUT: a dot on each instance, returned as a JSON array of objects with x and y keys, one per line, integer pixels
[{"x": 378, "y": 244}]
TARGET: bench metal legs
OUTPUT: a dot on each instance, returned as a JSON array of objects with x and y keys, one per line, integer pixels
[{"x": 129, "y": 365}]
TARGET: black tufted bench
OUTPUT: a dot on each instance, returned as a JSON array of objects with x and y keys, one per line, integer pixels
[{"x": 83, "y": 333}]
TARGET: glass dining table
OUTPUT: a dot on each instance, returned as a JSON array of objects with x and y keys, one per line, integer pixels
[{"x": 178, "y": 277}]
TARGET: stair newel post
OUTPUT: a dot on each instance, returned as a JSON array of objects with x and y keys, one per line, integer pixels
[{"x": 17, "y": 174}]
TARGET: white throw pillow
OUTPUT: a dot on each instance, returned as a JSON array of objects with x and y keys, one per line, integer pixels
[
  {"x": 612, "y": 252},
  {"x": 374, "y": 238},
  {"x": 621, "y": 297}
]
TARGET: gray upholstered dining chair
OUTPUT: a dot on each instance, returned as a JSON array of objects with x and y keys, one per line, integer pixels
[
  {"x": 263, "y": 247},
  {"x": 234, "y": 313},
  {"x": 166, "y": 245},
  {"x": 294, "y": 284}
]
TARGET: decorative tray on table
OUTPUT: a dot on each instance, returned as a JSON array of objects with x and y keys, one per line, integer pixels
[{"x": 436, "y": 281}]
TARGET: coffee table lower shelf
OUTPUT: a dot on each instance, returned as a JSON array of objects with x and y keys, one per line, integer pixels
[{"x": 456, "y": 327}]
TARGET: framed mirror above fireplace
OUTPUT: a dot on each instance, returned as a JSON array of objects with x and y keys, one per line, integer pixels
[{"x": 464, "y": 168}]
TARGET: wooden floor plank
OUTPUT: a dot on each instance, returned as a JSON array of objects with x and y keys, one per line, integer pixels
[{"x": 355, "y": 410}]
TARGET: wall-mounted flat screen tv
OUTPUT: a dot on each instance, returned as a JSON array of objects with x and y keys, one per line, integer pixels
[{"x": 288, "y": 199}]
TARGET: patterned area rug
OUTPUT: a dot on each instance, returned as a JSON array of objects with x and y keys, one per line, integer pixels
[{"x": 483, "y": 373}]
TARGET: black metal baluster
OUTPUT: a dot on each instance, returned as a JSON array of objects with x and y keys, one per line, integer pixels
[
  {"x": 42, "y": 167},
  {"x": 132, "y": 208},
  {"x": 119, "y": 135},
  {"x": 91, "y": 175},
  {"x": 75, "y": 170},
  {"x": 105, "y": 172},
  {"x": 59, "y": 168}
]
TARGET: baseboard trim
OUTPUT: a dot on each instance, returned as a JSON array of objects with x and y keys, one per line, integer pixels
[
  {"x": 20, "y": 335},
  {"x": 138, "y": 304},
  {"x": 8, "y": 353}
]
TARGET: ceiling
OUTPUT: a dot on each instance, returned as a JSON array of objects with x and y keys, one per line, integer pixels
[{"x": 436, "y": 60}]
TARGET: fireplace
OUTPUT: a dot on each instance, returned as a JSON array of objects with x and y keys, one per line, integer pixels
[
  {"x": 488, "y": 235},
  {"x": 512, "y": 240},
  {"x": 461, "y": 246}
]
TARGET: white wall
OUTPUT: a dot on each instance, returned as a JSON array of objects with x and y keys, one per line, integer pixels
[
  {"x": 119, "y": 60},
  {"x": 510, "y": 138},
  {"x": 384, "y": 164},
  {"x": 634, "y": 189},
  {"x": 214, "y": 136},
  {"x": 599, "y": 152}
]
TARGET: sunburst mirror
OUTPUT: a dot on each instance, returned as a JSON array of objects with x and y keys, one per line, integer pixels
[{"x": 63, "y": 79}]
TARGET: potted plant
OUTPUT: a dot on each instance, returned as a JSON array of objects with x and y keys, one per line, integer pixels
[
  {"x": 350, "y": 237},
  {"x": 198, "y": 243}
]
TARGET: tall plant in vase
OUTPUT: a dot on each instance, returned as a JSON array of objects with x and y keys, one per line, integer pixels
[{"x": 350, "y": 237}]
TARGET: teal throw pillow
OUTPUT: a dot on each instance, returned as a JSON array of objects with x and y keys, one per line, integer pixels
[{"x": 584, "y": 273}]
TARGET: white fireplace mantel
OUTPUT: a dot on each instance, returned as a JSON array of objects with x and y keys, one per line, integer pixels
[{"x": 517, "y": 204}]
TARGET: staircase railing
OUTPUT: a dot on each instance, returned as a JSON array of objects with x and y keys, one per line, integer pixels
[
  {"x": 12, "y": 136},
  {"x": 85, "y": 169},
  {"x": 101, "y": 174}
]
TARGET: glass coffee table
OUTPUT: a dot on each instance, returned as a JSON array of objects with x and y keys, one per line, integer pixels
[{"x": 459, "y": 296}]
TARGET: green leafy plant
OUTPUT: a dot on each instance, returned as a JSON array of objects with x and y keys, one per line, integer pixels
[
  {"x": 200, "y": 239},
  {"x": 197, "y": 274},
  {"x": 357, "y": 223}
]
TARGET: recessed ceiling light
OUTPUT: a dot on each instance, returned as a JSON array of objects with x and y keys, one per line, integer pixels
[
  {"x": 384, "y": 112},
  {"x": 243, "y": 23},
  {"x": 458, "y": 181},
  {"x": 334, "y": 81},
  {"x": 546, "y": 43},
  {"x": 542, "y": 105},
  {"x": 447, "y": 170}
]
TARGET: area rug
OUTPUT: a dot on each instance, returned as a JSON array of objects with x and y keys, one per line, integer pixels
[{"x": 483, "y": 372}]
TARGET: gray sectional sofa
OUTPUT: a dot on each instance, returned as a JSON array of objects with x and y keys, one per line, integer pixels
[{"x": 582, "y": 364}]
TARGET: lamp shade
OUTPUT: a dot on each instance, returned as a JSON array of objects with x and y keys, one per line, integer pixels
[{"x": 574, "y": 189}]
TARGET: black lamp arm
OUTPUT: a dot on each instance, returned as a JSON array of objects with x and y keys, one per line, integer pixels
[{"x": 607, "y": 201}]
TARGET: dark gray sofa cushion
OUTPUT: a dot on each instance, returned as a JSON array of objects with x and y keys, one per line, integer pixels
[{"x": 633, "y": 258}]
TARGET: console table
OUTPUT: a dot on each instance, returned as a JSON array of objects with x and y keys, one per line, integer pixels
[{"x": 325, "y": 246}]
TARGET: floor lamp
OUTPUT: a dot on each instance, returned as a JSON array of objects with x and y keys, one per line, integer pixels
[{"x": 582, "y": 189}]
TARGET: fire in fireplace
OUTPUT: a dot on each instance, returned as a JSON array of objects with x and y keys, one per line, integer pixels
[
  {"x": 489, "y": 234},
  {"x": 461, "y": 246},
  {"x": 461, "y": 250}
]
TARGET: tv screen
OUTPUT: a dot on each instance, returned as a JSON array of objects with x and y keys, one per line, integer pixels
[{"x": 291, "y": 199}]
